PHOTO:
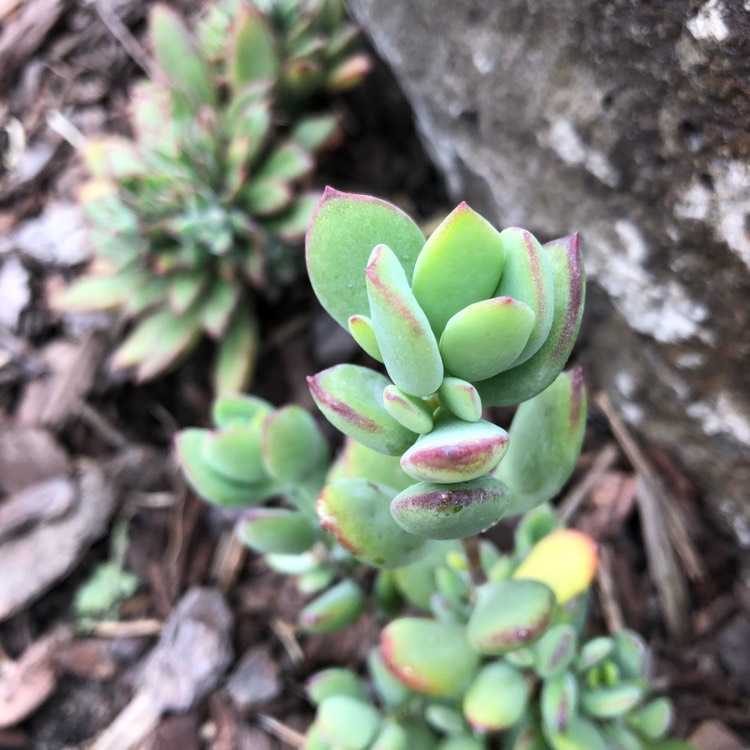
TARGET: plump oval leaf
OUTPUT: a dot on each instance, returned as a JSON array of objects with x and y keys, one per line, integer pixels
[
  {"x": 209, "y": 484},
  {"x": 236, "y": 453},
  {"x": 351, "y": 399},
  {"x": 413, "y": 413},
  {"x": 524, "y": 381},
  {"x": 545, "y": 441},
  {"x": 450, "y": 511},
  {"x": 486, "y": 338},
  {"x": 343, "y": 232},
  {"x": 455, "y": 451},
  {"x": 347, "y": 723},
  {"x": 461, "y": 399},
  {"x": 335, "y": 609},
  {"x": 527, "y": 277},
  {"x": 293, "y": 446},
  {"x": 430, "y": 657},
  {"x": 510, "y": 615},
  {"x": 461, "y": 263},
  {"x": 496, "y": 698},
  {"x": 357, "y": 512},
  {"x": 179, "y": 58},
  {"x": 406, "y": 341},
  {"x": 276, "y": 531}
]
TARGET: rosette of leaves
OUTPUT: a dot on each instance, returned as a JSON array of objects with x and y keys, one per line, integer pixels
[
  {"x": 256, "y": 453},
  {"x": 502, "y": 665},
  {"x": 206, "y": 206},
  {"x": 470, "y": 317}
]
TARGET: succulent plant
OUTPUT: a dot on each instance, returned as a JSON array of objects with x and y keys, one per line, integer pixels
[
  {"x": 207, "y": 206},
  {"x": 503, "y": 665},
  {"x": 470, "y": 317}
]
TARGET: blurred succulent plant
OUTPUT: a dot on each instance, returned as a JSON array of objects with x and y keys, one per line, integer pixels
[
  {"x": 307, "y": 44},
  {"x": 207, "y": 205},
  {"x": 502, "y": 665}
]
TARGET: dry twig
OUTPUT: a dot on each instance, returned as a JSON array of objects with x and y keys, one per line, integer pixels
[
  {"x": 574, "y": 499},
  {"x": 281, "y": 731},
  {"x": 653, "y": 500},
  {"x": 607, "y": 591}
]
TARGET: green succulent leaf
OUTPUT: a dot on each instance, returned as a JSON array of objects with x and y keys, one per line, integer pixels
[
  {"x": 413, "y": 413},
  {"x": 269, "y": 196},
  {"x": 496, "y": 698},
  {"x": 558, "y": 702},
  {"x": 334, "y": 681},
  {"x": 236, "y": 454},
  {"x": 630, "y": 653},
  {"x": 218, "y": 305},
  {"x": 611, "y": 701},
  {"x": 351, "y": 398},
  {"x": 360, "y": 327},
  {"x": 392, "y": 736},
  {"x": 450, "y": 511},
  {"x": 455, "y": 451},
  {"x": 527, "y": 277},
  {"x": 230, "y": 412},
  {"x": 357, "y": 460},
  {"x": 652, "y": 720},
  {"x": 252, "y": 49},
  {"x": 356, "y": 511},
  {"x": 445, "y": 719},
  {"x": 545, "y": 441},
  {"x": 430, "y": 657},
  {"x": 293, "y": 446},
  {"x": 460, "y": 264},
  {"x": 208, "y": 483},
  {"x": 524, "y": 381},
  {"x": 578, "y": 734},
  {"x": 96, "y": 293},
  {"x": 594, "y": 652},
  {"x": 157, "y": 342},
  {"x": 510, "y": 615},
  {"x": 555, "y": 651},
  {"x": 276, "y": 531},
  {"x": 178, "y": 57},
  {"x": 409, "y": 348},
  {"x": 343, "y": 232},
  {"x": 461, "y": 399},
  {"x": 390, "y": 691},
  {"x": 335, "y": 609},
  {"x": 313, "y": 133},
  {"x": 288, "y": 161},
  {"x": 237, "y": 352},
  {"x": 150, "y": 293},
  {"x": 346, "y": 723},
  {"x": 486, "y": 337},
  {"x": 184, "y": 290}
]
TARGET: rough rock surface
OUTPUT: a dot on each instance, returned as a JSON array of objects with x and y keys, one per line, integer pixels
[{"x": 626, "y": 120}]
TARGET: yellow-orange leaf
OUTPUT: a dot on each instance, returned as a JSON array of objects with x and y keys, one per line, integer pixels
[{"x": 565, "y": 560}]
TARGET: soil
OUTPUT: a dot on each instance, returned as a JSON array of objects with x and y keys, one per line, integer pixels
[{"x": 64, "y": 71}]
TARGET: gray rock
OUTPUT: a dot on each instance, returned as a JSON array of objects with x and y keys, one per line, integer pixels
[{"x": 625, "y": 121}]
